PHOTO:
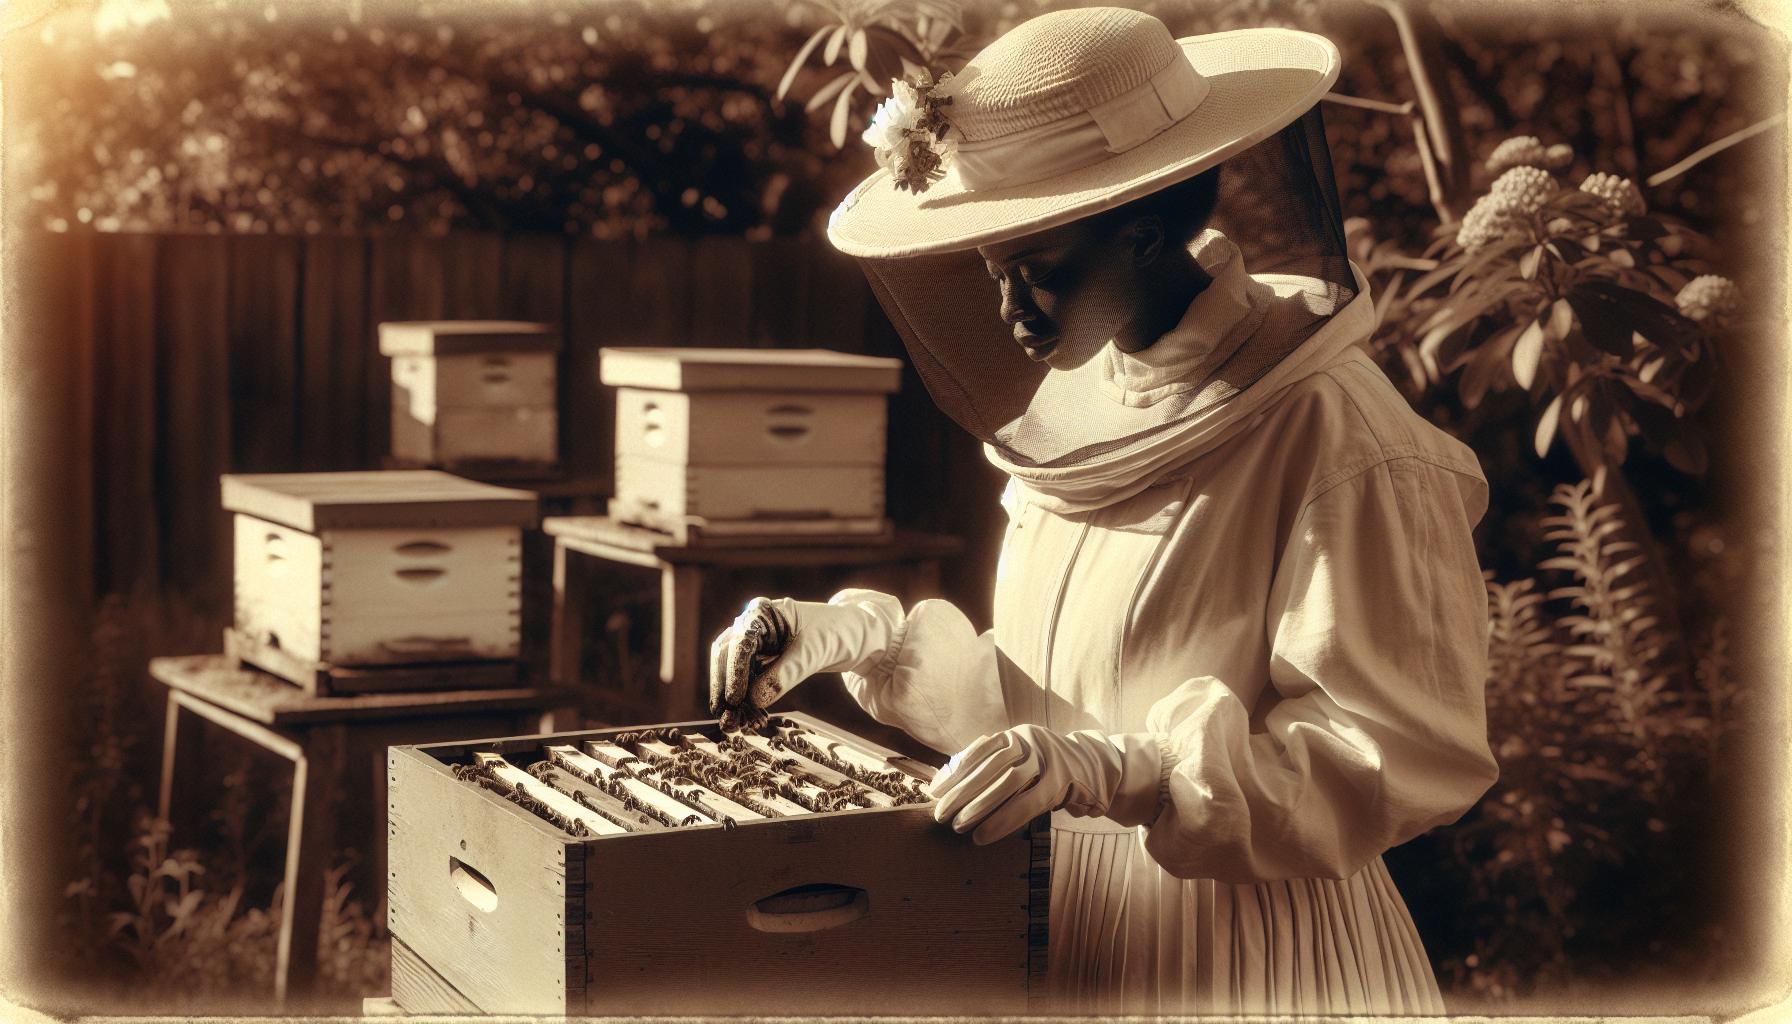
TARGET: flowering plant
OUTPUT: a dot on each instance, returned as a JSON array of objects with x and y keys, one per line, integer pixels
[{"x": 909, "y": 130}]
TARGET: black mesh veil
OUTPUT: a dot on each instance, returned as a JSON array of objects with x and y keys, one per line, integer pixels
[{"x": 1277, "y": 202}]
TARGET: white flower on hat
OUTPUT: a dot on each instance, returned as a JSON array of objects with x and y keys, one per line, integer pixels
[
  {"x": 909, "y": 131},
  {"x": 894, "y": 119}
]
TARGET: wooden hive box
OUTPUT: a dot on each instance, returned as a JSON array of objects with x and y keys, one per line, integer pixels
[
  {"x": 398, "y": 579},
  {"x": 495, "y": 908},
  {"x": 474, "y": 394},
  {"x": 750, "y": 441}
]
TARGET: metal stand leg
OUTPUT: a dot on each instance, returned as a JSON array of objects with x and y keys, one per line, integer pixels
[
  {"x": 682, "y": 669},
  {"x": 567, "y": 639},
  {"x": 310, "y": 842}
]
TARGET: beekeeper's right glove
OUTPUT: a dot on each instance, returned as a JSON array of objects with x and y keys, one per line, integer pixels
[
  {"x": 775, "y": 644},
  {"x": 1004, "y": 780}
]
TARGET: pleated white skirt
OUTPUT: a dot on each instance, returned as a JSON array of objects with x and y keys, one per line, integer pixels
[{"x": 1127, "y": 937}]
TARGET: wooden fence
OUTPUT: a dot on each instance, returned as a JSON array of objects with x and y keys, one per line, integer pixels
[{"x": 180, "y": 357}]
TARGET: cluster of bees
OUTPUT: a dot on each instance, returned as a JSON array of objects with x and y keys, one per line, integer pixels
[{"x": 650, "y": 780}]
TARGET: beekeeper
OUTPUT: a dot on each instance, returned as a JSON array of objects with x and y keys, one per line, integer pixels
[{"x": 1239, "y": 631}]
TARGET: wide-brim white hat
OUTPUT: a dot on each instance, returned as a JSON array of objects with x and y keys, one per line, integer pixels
[{"x": 1103, "y": 103}]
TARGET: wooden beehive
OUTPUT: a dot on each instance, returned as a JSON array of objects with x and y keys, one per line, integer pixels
[
  {"x": 401, "y": 579},
  {"x": 750, "y": 441},
  {"x": 497, "y": 905},
  {"x": 473, "y": 394}
]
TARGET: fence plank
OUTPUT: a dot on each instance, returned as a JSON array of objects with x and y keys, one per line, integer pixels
[
  {"x": 263, "y": 326},
  {"x": 472, "y": 286},
  {"x": 837, "y": 316},
  {"x": 656, "y": 309},
  {"x": 409, "y": 281},
  {"x": 534, "y": 279},
  {"x": 534, "y": 288},
  {"x": 127, "y": 426},
  {"x": 597, "y": 315},
  {"x": 334, "y": 404},
  {"x": 781, "y": 293},
  {"x": 57, "y": 307},
  {"x": 193, "y": 357},
  {"x": 720, "y": 292},
  {"x": 45, "y": 605}
]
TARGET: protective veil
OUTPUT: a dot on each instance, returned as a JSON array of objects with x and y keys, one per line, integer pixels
[{"x": 1058, "y": 432}]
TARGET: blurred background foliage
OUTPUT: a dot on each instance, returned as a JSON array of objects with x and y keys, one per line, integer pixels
[
  {"x": 1560, "y": 330},
  {"x": 624, "y": 116}
]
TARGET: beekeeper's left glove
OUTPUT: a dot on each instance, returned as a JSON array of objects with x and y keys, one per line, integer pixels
[
  {"x": 775, "y": 644},
  {"x": 1002, "y": 781}
]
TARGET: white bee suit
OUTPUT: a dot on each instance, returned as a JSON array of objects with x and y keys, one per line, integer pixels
[{"x": 1280, "y": 592}]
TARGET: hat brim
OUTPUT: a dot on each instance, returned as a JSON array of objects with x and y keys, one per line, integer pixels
[{"x": 1260, "y": 81}]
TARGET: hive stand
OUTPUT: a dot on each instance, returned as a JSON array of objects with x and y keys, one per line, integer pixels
[
  {"x": 686, "y": 571},
  {"x": 326, "y": 739}
]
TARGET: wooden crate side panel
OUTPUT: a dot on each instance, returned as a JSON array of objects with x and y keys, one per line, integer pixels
[
  {"x": 417, "y": 595},
  {"x": 411, "y": 639},
  {"x": 414, "y": 407},
  {"x": 418, "y": 990},
  {"x": 522, "y": 434},
  {"x": 279, "y": 586},
  {"x": 423, "y": 571},
  {"x": 750, "y": 428},
  {"x": 943, "y": 929},
  {"x": 504, "y": 948},
  {"x": 670, "y": 489},
  {"x": 494, "y": 380}
]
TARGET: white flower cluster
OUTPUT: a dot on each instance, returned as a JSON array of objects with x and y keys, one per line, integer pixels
[
  {"x": 909, "y": 134},
  {"x": 1516, "y": 194},
  {"x": 893, "y": 120},
  {"x": 1527, "y": 151},
  {"x": 1620, "y": 195},
  {"x": 1710, "y": 299}
]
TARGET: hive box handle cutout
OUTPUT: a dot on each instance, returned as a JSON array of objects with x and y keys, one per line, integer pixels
[
  {"x": 787, "y": 423},
  {"x": 809, "y": 908},
  {"x": 421, "y": 646},
  {"x": 473, "y": 887},
  {"x": 653, "y": 424}
]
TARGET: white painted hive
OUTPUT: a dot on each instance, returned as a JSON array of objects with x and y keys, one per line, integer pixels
[
  {"x": 378, "y": 568},
  {"x": 748, "y": 436},
  {"x": 473, "y": 391}
]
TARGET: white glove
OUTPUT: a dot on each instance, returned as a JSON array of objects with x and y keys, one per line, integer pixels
[
  {"x": 775, "y": 644},
  {"x": 1002, "y": 781}
]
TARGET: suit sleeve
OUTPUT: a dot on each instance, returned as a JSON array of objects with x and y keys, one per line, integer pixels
[
  {"x": 1377, "y": 626},
  {"x": 937, "y": 679}
]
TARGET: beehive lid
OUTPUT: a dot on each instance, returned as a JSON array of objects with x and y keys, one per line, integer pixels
[
  {"x": 448, "y": 337},
  {"x": 377, "y": 498},
  {"x": 747, "y": 369}
]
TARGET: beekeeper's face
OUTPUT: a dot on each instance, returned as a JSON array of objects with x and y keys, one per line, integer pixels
[{"x": 1067, "y": 291}]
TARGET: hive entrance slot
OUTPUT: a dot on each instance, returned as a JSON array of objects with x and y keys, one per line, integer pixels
[
  {"x": 809, "y": 908},
  {"x": 473, "y": 886}
]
